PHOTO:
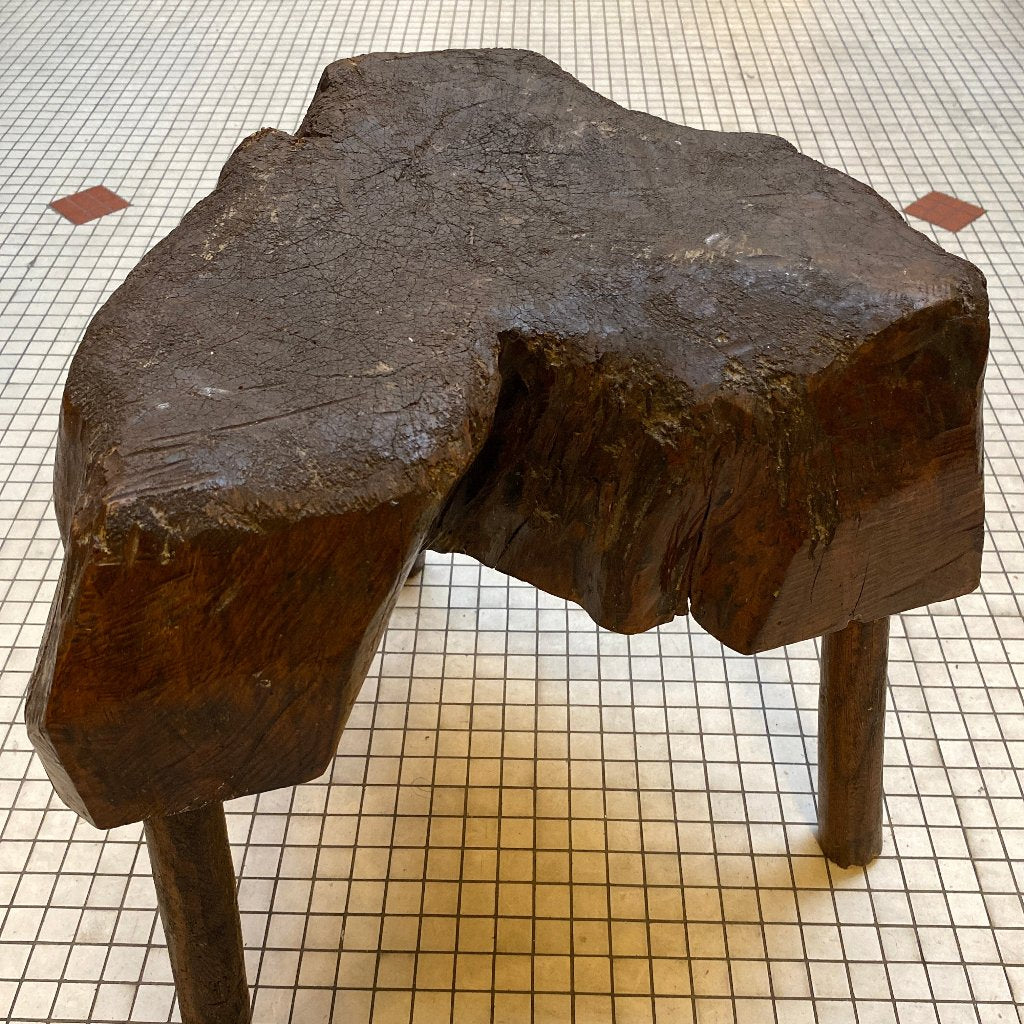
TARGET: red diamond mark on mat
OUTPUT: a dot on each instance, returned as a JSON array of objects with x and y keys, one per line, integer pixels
[
  {"x": 944, "y": 211},
  {"x": 94, "y": 202}
]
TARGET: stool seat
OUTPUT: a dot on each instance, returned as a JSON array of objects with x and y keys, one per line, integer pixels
[{"x": 473, "y": 306}]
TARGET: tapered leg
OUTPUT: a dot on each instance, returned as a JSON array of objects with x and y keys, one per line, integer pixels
[
  {"x": 195, "y": 887},
  {"x": 417, "y": 566},
  {"x": 851, "y": 733}
]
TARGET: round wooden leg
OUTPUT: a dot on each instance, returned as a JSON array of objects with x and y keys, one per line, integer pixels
[
  {"x": 195, "y": 888},
  {"x": 851, "y": 734}
]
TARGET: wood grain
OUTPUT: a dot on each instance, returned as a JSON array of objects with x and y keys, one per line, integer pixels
[
  {"x": 195, "y": 887},
  {"x": 851, "y": 738},
  {"x": 472, "y": 305}
]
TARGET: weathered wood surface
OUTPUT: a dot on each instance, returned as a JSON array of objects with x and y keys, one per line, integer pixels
[
  {"x": 851, "y": 741},
  {"x": 195, "y": 887},
  {"x": 471, "y": 305}
]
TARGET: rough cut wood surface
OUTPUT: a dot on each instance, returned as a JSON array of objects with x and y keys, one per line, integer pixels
[{"x": 472, "y": 305}]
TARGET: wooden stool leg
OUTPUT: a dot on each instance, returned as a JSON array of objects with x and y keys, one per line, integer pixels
[
  {"x": 417, "y": 566},
  {"x": 851, "y": 733},
  {"x": 195, "y": 887}
]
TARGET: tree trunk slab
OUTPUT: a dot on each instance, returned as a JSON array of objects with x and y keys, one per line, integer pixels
[{"x": 471, "y": 305}]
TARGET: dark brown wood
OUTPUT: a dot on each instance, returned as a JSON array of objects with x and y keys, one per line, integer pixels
[
  {"x": 851, "y": 737},
  {"x": 471, "y": 305},
  {"x": 195, "y": 888}
]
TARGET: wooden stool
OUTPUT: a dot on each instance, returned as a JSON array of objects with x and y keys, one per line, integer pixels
[{"x": 473, "y": 306}]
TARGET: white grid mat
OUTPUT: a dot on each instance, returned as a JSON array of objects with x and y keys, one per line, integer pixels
[{"x": 529, "y": 816}]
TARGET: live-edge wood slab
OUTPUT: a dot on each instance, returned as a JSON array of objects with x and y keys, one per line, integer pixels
[{"x": 473, "y": 306}]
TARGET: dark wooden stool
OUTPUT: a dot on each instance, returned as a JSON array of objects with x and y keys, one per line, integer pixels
[{"x": 473, "y": 306}]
